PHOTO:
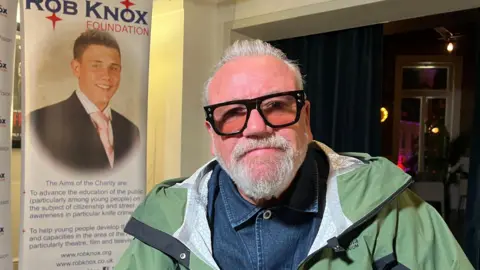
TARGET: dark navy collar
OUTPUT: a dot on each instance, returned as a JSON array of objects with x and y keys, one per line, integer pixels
[
  {"x": 238, "y": 209},
  {"x": 305, "y": 195}
]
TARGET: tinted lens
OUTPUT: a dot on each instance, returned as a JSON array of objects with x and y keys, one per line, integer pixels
[
  {"x": 280, "y": 110},
  {"x": 277, "y": 111},
  {"x": 230, "y": 118}
]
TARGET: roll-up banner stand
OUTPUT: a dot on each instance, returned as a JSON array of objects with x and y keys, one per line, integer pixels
[
  {"x": 8, "y": 28},
  {"x": 85, "y": 85}
]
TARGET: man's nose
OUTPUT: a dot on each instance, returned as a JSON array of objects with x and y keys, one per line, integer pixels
[
  {"x": 104, "y": 72},
  {"x": 256, "y": 126}
]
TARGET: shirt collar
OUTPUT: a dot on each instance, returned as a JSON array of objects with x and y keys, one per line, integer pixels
[
  {"x": 305, "y": 195},
  {"x": 238, "y": 209},
  {"x": 89, "y": 106}
]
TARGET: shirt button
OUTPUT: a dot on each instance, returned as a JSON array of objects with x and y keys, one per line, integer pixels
[{"x": 267, "y": 214}]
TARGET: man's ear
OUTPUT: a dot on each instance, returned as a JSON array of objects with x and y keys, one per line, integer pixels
[
  {"x": 307, "y": 113},
  {"x": 75, "y": 66},
  {"x": 210, "y": 131},
  {"x": 307, "y": 120}
]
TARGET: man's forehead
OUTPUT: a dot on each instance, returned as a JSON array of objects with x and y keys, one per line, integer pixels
[
  {"x": 250, "y": 77},
  {"x": 95, "y": 49},
  {"x": 100, "y": 53}
]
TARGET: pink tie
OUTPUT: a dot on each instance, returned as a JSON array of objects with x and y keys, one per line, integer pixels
[{"x": 103, "y": 128}]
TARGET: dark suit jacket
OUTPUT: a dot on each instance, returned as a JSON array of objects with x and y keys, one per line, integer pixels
[{"x": 66, "y": 133}]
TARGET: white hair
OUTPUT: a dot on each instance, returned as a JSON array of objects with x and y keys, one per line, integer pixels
[{"x": 253, "y": 48}]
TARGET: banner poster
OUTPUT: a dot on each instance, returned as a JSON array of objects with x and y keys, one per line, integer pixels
[
  {"x": 8, "y": 29},
  {"x": 85, "y": 84}
]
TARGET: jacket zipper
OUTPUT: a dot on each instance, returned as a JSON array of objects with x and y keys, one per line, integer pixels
[{"x": 364, "y": 219}]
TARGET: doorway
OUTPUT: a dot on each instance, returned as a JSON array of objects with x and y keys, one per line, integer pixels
[{"x": 427, "y": 112}]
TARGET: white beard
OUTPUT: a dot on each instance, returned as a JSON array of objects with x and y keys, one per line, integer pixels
[{"x": 266, "y": 184}]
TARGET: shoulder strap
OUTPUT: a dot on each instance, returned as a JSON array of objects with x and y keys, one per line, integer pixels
[
  {"x": 365, "y": 158},
  {"x": 173, "y": 181}
]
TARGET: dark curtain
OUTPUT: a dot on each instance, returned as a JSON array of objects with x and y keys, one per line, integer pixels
[
  {"x": 343, "y": 73},
  {"x": 472, "y": 241}
]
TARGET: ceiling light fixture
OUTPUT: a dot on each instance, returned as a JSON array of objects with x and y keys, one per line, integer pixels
[{"x": 450, "y": 47}]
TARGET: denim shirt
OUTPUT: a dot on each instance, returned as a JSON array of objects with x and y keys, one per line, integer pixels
[{"x": 245, "y": 236}]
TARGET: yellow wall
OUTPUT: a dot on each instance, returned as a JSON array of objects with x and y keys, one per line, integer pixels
[
  {"x": 200, "y": 36},
  {"x": 165, "y": 92},
  {"x": 16, "y": 180}
]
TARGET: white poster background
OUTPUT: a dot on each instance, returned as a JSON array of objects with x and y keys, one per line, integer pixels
[
  {"x": 73, "y": 219},
  {"x": 8, "y": 27}
]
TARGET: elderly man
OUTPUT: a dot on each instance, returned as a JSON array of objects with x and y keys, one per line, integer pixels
[{"x": 275, "y": 199}]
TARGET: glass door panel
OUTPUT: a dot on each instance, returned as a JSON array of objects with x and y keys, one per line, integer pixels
[
  {"x": 409, "y": 134},
  {"x": 425, "y": 78},
  {"x": 436, "y": 137}
]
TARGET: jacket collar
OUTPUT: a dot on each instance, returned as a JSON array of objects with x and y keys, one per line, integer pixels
[{"x": 196, "y": 235}]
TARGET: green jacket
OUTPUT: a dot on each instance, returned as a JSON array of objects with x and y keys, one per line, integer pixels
[{"x": 371, "y": 221}]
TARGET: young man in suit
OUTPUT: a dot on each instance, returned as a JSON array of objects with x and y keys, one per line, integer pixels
[{"x": 83, "y": 132}]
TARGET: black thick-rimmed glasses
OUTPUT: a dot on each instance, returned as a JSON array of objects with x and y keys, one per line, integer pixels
[{"x": 277, "y": 110}]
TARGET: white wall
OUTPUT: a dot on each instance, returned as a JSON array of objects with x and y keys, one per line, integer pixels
[
  {"x": 259, "y": 8},
  {"x": 304, "y": 17}
]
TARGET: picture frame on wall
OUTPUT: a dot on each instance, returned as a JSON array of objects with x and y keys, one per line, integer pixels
[{"x": 17, "y": 94}]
